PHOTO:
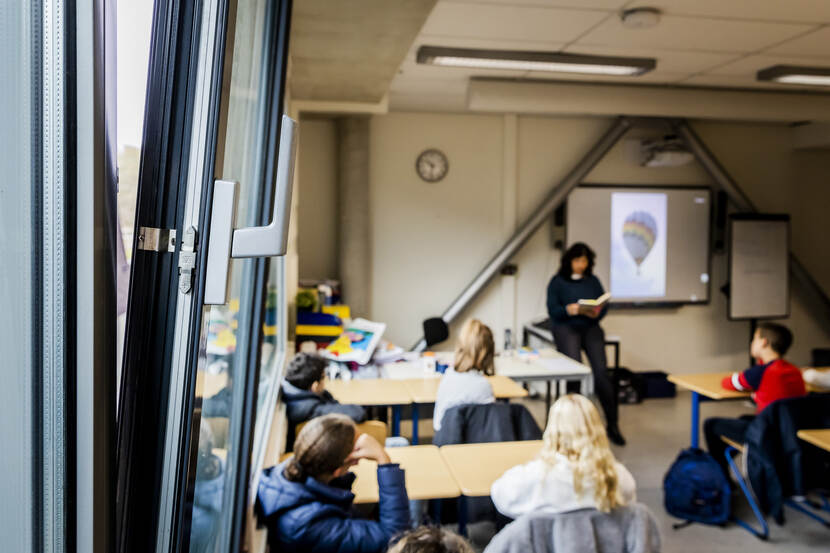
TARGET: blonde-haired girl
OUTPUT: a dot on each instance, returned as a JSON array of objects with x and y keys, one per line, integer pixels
[
  {"x": 467, "y": 383},
  {"x": 575, "y": 469}
]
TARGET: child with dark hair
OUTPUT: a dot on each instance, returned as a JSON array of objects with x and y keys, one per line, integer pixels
[
  {"x": 304, "y": 392},
  {"x": 429, "y": 539},
  {"x": 771, "y": 379},
  {"x": 305, "y": 501}
]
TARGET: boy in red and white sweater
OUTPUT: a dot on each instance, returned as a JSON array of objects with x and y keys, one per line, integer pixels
[{"x": 771, "y": 379}]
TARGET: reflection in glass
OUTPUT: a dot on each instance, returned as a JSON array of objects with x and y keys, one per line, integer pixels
[{"x": 228, "y": 331}]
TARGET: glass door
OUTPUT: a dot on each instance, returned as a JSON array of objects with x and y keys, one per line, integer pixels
[{"x": 203, "y": 366}]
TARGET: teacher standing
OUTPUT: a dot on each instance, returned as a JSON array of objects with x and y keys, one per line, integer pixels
[{"x": 573, "y": 332}]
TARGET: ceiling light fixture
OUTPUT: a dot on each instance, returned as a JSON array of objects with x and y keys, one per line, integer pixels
[
  {"x": 794, "y": 74},
  {"x": 534, "y": 61}
]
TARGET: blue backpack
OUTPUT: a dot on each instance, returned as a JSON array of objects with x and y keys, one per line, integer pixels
[{"x": 696, "y": 489}]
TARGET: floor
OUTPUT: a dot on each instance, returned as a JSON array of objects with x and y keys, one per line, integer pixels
[{"x": 656, "y": 431}]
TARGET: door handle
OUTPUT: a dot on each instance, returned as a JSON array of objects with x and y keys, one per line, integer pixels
[{"x": 225, "y": 242}]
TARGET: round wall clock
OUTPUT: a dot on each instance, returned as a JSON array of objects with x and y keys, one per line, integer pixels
[{"x": 432, "y": 165}]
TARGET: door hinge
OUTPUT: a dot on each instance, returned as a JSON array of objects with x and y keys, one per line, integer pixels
[
  {"x": 156, "y": 239},
  {"x": 187, "y": 260}
]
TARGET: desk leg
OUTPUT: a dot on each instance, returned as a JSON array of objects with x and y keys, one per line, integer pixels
[
  {"x": 415, "y": 424},
  {"x": 396, "y": 420},
  {"x": 695, "y": 419},
  {"x": 462, "y": 516},
  {"x": 547, "y": 398}
]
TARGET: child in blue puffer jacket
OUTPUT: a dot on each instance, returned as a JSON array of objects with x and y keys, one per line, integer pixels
[{"x": 305, "y": 501}]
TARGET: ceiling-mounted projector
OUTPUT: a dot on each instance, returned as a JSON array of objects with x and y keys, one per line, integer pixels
[{"x": 668, "y": 151}]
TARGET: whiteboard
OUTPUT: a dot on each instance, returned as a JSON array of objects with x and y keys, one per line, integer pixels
[{"x": 759, "y": 276}]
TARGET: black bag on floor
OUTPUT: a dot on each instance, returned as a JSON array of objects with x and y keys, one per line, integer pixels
[
  {"x": 630, "y": 386},
  {"x": 696, "y": 489}
]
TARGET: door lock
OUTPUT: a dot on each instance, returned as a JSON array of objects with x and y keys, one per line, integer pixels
[{"x": 187, "y": 260}]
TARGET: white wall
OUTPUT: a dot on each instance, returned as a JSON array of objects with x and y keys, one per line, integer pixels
[
  {"x": 429, "y": 240},
  {"x": 317, "y": 199}
]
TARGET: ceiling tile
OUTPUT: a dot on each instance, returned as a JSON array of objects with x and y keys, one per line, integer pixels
[
  {"x": 804, "y": 11},
  {"x": 672, "y": 61},
  {"x": 521, "y": 23},
  {"x": 816, "y": 44},
  {"x": 750, "y": 65},
  {"x": 690, "y": 33}
]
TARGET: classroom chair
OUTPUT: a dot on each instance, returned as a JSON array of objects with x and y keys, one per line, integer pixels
[
  {"x": 628, "y": 529},
  {"x": 779, "y": 469},
  {"x": 436, "y": 331}
]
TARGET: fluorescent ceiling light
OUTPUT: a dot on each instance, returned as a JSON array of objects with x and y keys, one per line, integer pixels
[
  {"x": 534, "y": 61},
  {"x": 794, "y": 74}
]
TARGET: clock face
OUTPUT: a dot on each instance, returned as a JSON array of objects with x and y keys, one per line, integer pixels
[{"x": 432, "y": 165}]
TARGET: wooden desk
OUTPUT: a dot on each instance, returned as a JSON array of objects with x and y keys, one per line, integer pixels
[
  {"x": 819, "y": 438},
  {"x": 708, "y": 385},
  {"x": 425, "y": 390},
  {"x": 369, "y": 391},
  {"x": 476, "y": 466},
  {"x": 427, "y": 475},
  {"x": 211, "y": 384},
  {"x": 373, "y": 392}
]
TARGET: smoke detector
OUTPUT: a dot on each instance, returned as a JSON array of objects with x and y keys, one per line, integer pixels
[{"x": 640, "y": 18}]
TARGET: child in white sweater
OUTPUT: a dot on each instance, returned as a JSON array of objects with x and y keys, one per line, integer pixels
[
  {"x": 467, "y": 382},
  {"x": 575, "y": 469}
]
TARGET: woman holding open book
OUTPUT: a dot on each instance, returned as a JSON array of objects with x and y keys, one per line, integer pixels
[{"x": 576, "y": 304}]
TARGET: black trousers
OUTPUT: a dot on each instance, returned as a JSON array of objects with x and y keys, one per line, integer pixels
[
  {"x": 571, "y": 341},
  {"x": 734, "y": 429}
]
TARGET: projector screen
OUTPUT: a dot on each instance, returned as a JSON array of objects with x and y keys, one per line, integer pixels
[{"x": 652, "y": 244}]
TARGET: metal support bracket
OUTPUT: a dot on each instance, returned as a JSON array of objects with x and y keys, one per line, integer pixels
[{"x": 156, "y": 239}]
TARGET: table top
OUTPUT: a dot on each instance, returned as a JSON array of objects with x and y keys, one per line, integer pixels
[
  {"x": 476, "y": 466},
  {"x": 369, "y": 391},
  {"x": 819, "y": 438},
  {"x": 427, "y": 475},
  {"x": 707, "y": 384},
  {"x": 425, "y": 390},
  {"x": 211, "y": 383},
  {"x": 549, "y": 363}
]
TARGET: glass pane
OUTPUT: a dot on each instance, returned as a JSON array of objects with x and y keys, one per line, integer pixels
[
  {"x": 220, "y": 378},
  {"x": 272, "y": 356}
]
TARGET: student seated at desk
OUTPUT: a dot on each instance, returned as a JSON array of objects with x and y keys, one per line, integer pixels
[
  {"x": 771, "y": 379},
  {"x": 430, "y": 539},
  {"x": 466, "y": 382},
  {"x": 305, "y": 501},
  {"x": 575, "y": 469},
  {"x": 304, "y": 393}
]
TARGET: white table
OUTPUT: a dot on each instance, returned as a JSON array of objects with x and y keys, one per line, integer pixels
[{"x": 549, "y": 366}]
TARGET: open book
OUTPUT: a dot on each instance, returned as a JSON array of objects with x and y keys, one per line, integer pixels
[{"x": 587, "y": 306}]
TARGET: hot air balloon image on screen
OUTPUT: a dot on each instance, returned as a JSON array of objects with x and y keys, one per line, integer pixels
[
  {"x": 638, "y": 244},
  {"x": 639, "y": 232}
]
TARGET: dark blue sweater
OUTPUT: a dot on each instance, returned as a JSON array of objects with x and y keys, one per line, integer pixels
[{"x": 563, "y": 291}]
